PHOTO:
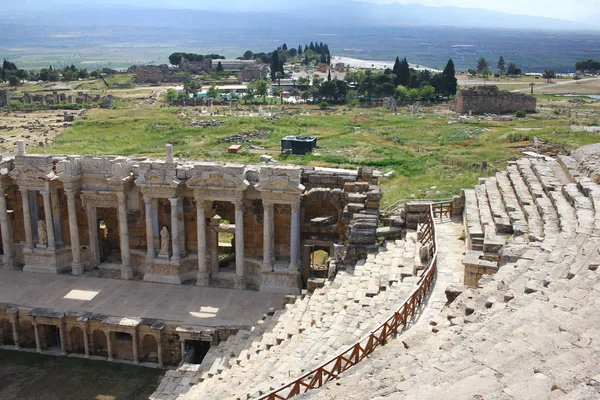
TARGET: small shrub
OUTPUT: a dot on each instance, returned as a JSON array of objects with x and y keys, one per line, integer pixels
[
  {"x": 521, "y": 114},
  {"x": 323, "y": 105}
]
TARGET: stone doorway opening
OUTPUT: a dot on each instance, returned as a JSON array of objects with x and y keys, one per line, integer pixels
[
  {"x": 196, "y": 350},
  {"x": 319, "y": 262},
  {"x": 107, "y": 226}
]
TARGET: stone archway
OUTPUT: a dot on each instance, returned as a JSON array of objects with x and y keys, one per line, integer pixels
[
  {"x": 26, "y": 334},
  {"x": 99, "y": 343},
  {"x": 149, "y": 349},
  {"x": 6, "y": 332},
  {"x": 76, "y": 340}
]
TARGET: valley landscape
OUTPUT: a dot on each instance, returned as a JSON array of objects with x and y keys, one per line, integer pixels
[{"x": 180, "y": 242}]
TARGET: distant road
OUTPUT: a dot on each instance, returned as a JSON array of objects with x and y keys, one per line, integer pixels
[
  {"x": 558, "y": 83},
  {"x": 358, "y": 63}
]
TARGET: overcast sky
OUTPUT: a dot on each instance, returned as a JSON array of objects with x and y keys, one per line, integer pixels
[{"x": 571, "y": 10}]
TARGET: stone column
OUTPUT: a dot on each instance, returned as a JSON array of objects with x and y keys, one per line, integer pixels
[
  {"x": 182, "y": 343},
  {"x": 159, "y": 350},
  {"x": 76, "y": 265},
  {"x": 214, "y": 247},
  {"x": 240, "y": 274},
  {"x": 92, "y": 216},
  {"x": 63, "y": 343},
  {"x": 126, "y": 271},
  {"x": 27, "y": 219},
  {"x": 15, "y": 330},
  {"x": 7, "y": 237},
  {"x": 109, "y": 346},
  {"x": 49, "y": 220},
  {"x": 55, "y": 202},
  {"x": 86, "y": 342},
  {"x": 175, "y": 228},
  {"x": 202, "y": 276},
  {"x": 268, "y": 235},
  {"x": 38, "y": 344},
  {"x": 295, "y": 237},
  {"x": 136, "y": 359},
  {"x": 149, "y": 230}
]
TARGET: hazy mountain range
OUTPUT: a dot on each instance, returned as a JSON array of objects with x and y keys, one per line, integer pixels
[{"x": 334, "y": 13}]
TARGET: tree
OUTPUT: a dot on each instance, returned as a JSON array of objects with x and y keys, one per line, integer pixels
[
  {"x": 171, "y": 95},
  {"x": 386, "y": 89},
  {"x": 175, "y": 58},
  {"x": 501, "y": 66},
  {"x": 305, "y": 96},
  {"x": 482, "y": 66},
  {"x": 248, "y": 55},
  {"x": 274, "y": 64},
  {"x": 427, "y": 93},
  {"x": 513, "y": 70},
  {"x": 212, "y": 92},
  {"x": 548, "y": 75},
  {"x": 220, "y": 67},
  {"x": 13, "y": 80},
  {"x": 68, "y": 75},
  {"x": 316, "y": 80},
  {"x": 250, "y": 93},
  {"x": 262, "y": 89},
  {"x": 8, "y": 66},
  {"x": 329, "y": 75},
  {"x": 299, "y": 50},
  {"x": 396, "y": 71},
  {"x": 448, "y": 80},
  {"x": 284, "y": 47},
  {"x": 329, "y": 90},
  {"x": 404, "y": 73},
  {"x": 22, "y": 74},
  {"x": 401, "y": 92},
  {"x": 303, "y": 83},
  {"x": 83, "y": 74}
]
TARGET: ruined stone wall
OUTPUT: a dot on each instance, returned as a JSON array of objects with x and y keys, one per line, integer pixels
[
  {"x": 490, "y": 100},
  {"x": 149, "y": 73},
  {"x": 196, "y": 67},
  {"x": 4, "y": 97},
  {"x": 253, "y": 73}
]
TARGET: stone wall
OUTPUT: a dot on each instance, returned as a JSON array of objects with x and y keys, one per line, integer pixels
[
  {"x": 149, "y": 73},
  {"x": 4, "y": 97},
  {"x": 196, "y": 67},
  {"x": 489, "y": 99},
  {"x": 253, "y": 73}
]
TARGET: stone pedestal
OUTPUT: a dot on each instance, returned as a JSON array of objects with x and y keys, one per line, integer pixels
[
  {"x": 280, "y": 280},
  {"x": 171, "y": 271},
  {"x": 47, "y": 261}
]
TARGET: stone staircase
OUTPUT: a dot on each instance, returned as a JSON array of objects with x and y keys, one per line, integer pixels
[
  {"x": 542, "y": 204},
  {"x": 528, "y": 331},
  {"x": 317, "y": 326}
]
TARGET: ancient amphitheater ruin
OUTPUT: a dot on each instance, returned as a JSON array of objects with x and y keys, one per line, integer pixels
[{"x": 492, "y": 295}]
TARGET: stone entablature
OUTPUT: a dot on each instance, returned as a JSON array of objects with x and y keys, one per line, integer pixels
[
  {"x": 488, "y": 99},
  {"x": 62, "y": 213}
]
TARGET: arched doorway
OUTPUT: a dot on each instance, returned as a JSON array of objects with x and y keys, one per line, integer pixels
[
  {"x": 76, "y": 340},
  {"x": 6, "y": 333},
  {"x": 99, "y": 343},
  {"x": 149, "y": 349}
]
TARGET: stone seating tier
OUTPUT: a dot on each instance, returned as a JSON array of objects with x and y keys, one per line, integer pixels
[{"x": 310, "y": 330}]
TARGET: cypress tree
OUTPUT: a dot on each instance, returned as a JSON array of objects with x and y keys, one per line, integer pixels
[
  {"x": 404, "y": 77},
  {"x": 329, "y": 76},
  {"x": 449, "y": 82},
  {"x": 312, "y": 47},
  {"x": 274, "y": 64},
  {"x": 299, "y": 50},
  {"x": 396, "y": 71},
  {"x": 284, "y": 47}
]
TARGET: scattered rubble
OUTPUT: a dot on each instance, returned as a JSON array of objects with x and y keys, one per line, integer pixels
[{"x": 244, "y": 137}]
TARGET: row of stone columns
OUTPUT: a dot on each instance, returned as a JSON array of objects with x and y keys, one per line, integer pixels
[{"x": 86, "y": 344}]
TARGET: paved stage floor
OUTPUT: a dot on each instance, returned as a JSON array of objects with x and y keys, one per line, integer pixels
[{"x": 188, "y": 305}]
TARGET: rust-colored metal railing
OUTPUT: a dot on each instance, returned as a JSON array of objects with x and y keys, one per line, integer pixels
[{"x": 379, "y": 336}]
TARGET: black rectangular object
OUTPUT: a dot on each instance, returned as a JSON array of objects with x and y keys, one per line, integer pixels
[{"x": 298, "y": 145}]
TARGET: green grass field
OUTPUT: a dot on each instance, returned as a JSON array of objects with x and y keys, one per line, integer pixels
[{"x": 430, "y": 156}]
